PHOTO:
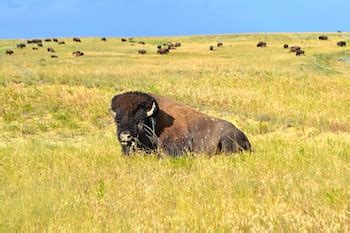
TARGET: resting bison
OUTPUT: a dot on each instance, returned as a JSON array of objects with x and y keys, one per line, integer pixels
[
  {"x": 142, "y": 51},
  {"x": 20, "y": 46},
  {"x": 261, "y": 44},
  {"x": 294, "y": 49},
  {"x": 150, "y": 122},
  {"x": 142, "y": 42},
  {"x": 220, "y": 44},
  {"x": 341, "y": 43},
  {"x": 300, "y": 52},
  {"x": 323, "y": 37},
  {"x": 78, "y": 53},
  {"x": 9, "y": 52},
  {"x": 163, "y": 51},
  {"x": 285, "y": 46},
  {"x": 61, "y": 42},
  {"x": 75, "y": 39}
]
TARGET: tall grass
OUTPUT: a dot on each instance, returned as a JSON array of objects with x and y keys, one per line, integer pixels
[{"x": 61, "y": 167}]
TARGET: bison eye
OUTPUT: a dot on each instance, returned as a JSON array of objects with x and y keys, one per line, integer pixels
[{"x": 140, "y": 125}]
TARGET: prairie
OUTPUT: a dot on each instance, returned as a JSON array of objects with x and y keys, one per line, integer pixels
[{"x": 61, "y": 167}]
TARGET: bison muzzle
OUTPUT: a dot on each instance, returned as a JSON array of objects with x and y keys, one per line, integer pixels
[{"x": 147, "y": 122}]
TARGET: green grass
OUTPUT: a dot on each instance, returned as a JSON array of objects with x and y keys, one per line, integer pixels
[{"x": 61, "y": 167}]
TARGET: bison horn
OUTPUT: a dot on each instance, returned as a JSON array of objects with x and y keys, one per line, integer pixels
[
  {"x": 112, "y": 112},
  {"x": 151, "y": 112}
]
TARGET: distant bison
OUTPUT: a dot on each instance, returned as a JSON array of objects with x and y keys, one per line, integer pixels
[
  {"x": 142, "y": 42},
  {"x": 177, "y": 44},
  {"x": 78, "y": 53},
  {"x": 261, "y": 44},
  {"x": 40, "y": 44},
  {"x": 163, "y": 51},
  {"x": 211, "y": 48},
  {"x": 76, "y": 39},
  {"x": 294, "y": 49},
  {"x": 36, "y": 41},
  {"x": 29, "y": 42},
  {"x": 35, "y": 48},
  {"x": 323, "y": 37},
  {"x": 54, "y": 56},
  {"x": 55, "y": 40},
  {"x": 51, "y": 50},
  {"x": 20, "y": 46},
  {"x": 300, "y": 52},
  {"x": 341, "y": 43},
  {"x": 103, "y": 39},
  {"x": 285, "y": 46},
  {"x": 142, "y": 51},
  {"x": 148, "y": 123},
  {"x": 159, "y": 47},
  {"x": 48, "y": 40},
  {"x": 123, "y": 39},
  {"x": 61, "y": 42},
  {"x": 9, "y": 52},
  {"x": 220, "y": 44}
]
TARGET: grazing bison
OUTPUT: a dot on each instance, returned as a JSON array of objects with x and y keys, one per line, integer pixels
[
  {"x": 76, "y": 39},
  {"x": 285, "y": 46},
  {"x": 104, "y": 39},
  {"x": 177, "y": 44},
  {"x": 48, "y": 40},
  {"x": 163, "y": 51},
  {"x": 142, "y": 42},
  {"x": 142, "y": 51},
  {"x": 294, "y": 49},
  {"x": 20, "y": 46},
  {"x": 220, "y": 44},
  {"x": 300, "y": 52},
  {"x": 54, "y": 56},
  {"x": 51, "y": 50},
  {"x": 123, "y": 40},
  {"x": 341, "y": 43},
  {"x": 150, "y": 122},
  {"x": 36, "y": 41},
  {"x": 323, "y": 37},
  {"x": 78, "y": 53},
  {"x": 261, "y": 44},
  {"x": 55, "y": 40},
  {"x": 9, "y": 52},
  {"x": 211, "y": 48},
  {"x": 61, "y": 42}
]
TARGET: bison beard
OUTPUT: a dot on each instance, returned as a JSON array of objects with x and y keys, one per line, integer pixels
[{"x": 148, "y": 122}]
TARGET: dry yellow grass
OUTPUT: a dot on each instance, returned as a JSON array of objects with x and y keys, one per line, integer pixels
[{"x": 60, "y": 163}]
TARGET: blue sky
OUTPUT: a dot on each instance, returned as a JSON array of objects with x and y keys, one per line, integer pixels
[{"x": 56, "y": 18}]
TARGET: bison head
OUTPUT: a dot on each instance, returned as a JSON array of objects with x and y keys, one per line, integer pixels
[{"x": 135, "y": 116}]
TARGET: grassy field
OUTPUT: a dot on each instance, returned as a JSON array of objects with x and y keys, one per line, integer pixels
[{"x": 61, "y": 167}]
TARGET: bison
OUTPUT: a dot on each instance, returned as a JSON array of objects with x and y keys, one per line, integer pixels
[
  {"x": 163, "y": 51},
  {"x": 323, "y": 37},
  {"x": 261, "y": 44},
  {"x": 48, "y": 40},
  {"x": 55, "y": 40},
  {"x": 159, "y": 47},
  {"x": 148, "y": 122},
  {"x": 35, "y": 48},
  {"x": 285, "y": 46},
  {"x": 142, "y": 42},
  {"x": 300, "y": 52},
  {"x": 51, "y": 50},
  {"x": 29, "y": 42},
  {"x": 177, "y": 44},
  {"x": 40, "y": 44},
  {"x": 54, "y": 56},
  {"x": 9, "y": 52},
  {"x": 20, "y": 46},
  {"x": 294, "y": 49},
  {"x": 341, "y": 43},
  {"x": 220, "y": 44},
  {"x": 211, "y": 48},
  {"x": 76, "y": 39},
  {"x": 104, "y": 39},
  {"x": 61, "y": 42},
  {"x": 78, "y": 53},
  {"x": 123, "y": 40},
  {"x": 36, "y": 41},
  {"x": 142, "y": 52}
]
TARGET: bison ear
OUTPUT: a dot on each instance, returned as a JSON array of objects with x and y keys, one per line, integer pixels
[
  {"x": 113, "y": 113},
  {"x": 152, "y": 111}
]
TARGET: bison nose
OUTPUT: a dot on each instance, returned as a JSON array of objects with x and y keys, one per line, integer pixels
[{"x": 125, "y": 136}]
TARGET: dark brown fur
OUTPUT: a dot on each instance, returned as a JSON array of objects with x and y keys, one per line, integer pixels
[{"x": 178, "y": 128}]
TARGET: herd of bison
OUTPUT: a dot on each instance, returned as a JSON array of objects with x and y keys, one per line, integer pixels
[{"x": 161, "y": 49}]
